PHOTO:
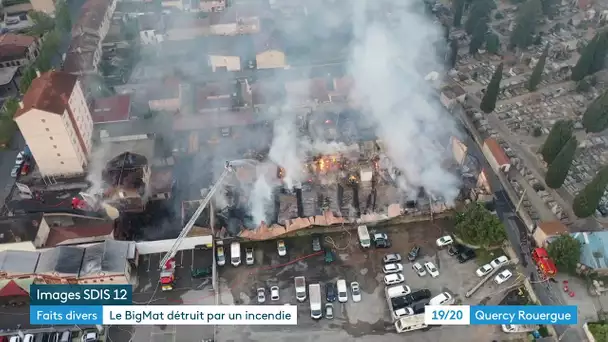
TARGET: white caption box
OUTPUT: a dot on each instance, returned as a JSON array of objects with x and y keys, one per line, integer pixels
[
  {"x": 447, "y": 315},
  {"x": 200, "y": 315}
]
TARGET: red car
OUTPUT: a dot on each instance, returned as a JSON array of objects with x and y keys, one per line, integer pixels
[{"x": 25, "y": 169}]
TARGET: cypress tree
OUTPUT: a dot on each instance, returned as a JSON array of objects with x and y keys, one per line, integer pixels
[
  {"x": 453, "y": 53},
  {"x": 488, "y": 103},
  {"x": 559, "y": 135},
  {"x": 595, "y": 118},
  {"x": 585, "y": 60},
  {"x": 479, "y": 11},
  {"x": 479, "y": 37},
  {"x": 587, "y": 200},
  {"x": 599, "y": 55},
  {"x": 537, "y": 73},
  {"x": 525, "y": 24},
  {"x": 458, "y": 9},
  {"x": 558, "y": 169}
]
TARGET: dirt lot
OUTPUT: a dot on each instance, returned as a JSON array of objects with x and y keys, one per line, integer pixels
[{"x": 367, "y": 319}]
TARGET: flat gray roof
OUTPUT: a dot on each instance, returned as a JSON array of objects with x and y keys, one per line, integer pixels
[{"x": 22, "y": 262}]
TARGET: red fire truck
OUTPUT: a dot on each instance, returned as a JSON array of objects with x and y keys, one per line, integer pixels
[{"x": 544, "y": 263}]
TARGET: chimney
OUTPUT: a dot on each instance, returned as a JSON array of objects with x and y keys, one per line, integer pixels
[
  {"x": 21, "y": 104},
  {"x": 37, "y": 73}
]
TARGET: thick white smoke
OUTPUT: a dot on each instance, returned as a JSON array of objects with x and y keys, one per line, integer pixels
[{"x": 390, "y": 57}]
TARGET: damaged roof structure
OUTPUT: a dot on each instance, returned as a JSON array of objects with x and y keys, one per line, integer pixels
[{"x": 105, "y": 259}]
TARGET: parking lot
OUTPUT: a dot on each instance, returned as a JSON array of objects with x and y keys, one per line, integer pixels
[{"x": 367, "y": 319}]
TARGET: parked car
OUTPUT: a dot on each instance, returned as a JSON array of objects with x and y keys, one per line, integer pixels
[
  {"x": 484, "y": 270},
  {"x": 249, "y": 256},
  {"x": 281, "y": 248},
  {"x": 419, "y": 269},
  {"x": 316, "y": 244},
  {"x": 430, "y": 267},
  {"x": 444, "y": 241},
  {"x": 331, "y": 293},
  {"x": 418, "y": 307},
  {"x": 381, "y": 240},
  {"x": 498, "y": 262},
  {"x": 90, "y": 336},
  {"x": 25, "y": 169},
  {"x": 221, "y": 257},
  {"x": 392, "y": 268},
  {"x": 467, "y": 255},
  {"x": 456, "y": 249},
  {"x": 444, "y": 298},
  {"x": 390, "y": 258},
  {"x": 15, "y": 171},
  {"x": 261, "y": 295},
  {"x": 393, "y": 279},
  {"x": 274, "y": 293},
  {"x": 329, "y": 311},
  {"x": 503, "y": 277},
  {"x": 413, "y": 254},
  {"x": 355, "y": 291},
  {"x": 20, "y": 158},
  {"x": 416, "y": 296}
]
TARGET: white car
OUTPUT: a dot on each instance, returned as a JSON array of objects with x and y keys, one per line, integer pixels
[
  {"x": 404, "y": 312},
  {"x": 261, "y": 295},
  {"x": 15, "y": 171},
  {"x": 90, "y": 337},
  {"x": 393, "y": 279},
  {"x": 274, "y": 293},
  {"x": 392, "y": 268},
  {"x": 419, "y": 269},
  {"x": 444, "y": 241},
  {"x": 503, "y": 276},
  {"x": 430, "y": 267},
  {"x": 20, "y": 159},
  {"x": 221, "y": 257},
  {"x": 281, "y": 248},
  {"x": 444, "y": 298},
  {"x": 484, "y": 270},
  {"x": 501, "y": 260},
  {"x": 355, "y": 291},
  {"x": 249, "y": 256},
  {"x": 391, "y": 258}
]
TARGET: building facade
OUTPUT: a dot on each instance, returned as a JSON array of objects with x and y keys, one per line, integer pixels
[{"x": 56, "y": 123}]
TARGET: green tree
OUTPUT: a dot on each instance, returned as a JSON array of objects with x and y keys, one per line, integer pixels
[
  {"x": 479, "y": 37},
  {"x": 587, "y": 200},
  {"x": 458, "y": 9},
  {"x": 492, "y": 43},
  {"x": 48, "y": 49},
  {"x": 595, "y": 118},
  {"x": 62, "y": 16},
  {"x": 525, "y": 24},
  {"x": 29, "y": 74},
  {"x": 488, "y": 103},
  {"x": 599, "y": 331},
  {"x": 537, "y": 73},
  {"x": 558, "y": 169},
  {"x": 599, "y": 55},
  {"x": 592, "y": 58},
  {"x": 453, "y": 53},
  {"x": 583, "y": 86},
  {"x": 9, "y": 108},
  {"x": 559, "y": 135},
  {"x": 478, "y": 11},
  {"x": 548, "y": 7},
  {"x": 43, "y": 23},
  {"x": 565, "y": 252},
  {"x": 477, "y": 226}
]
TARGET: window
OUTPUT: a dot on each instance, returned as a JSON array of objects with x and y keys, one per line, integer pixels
[
  {"x": 62, "y": 163},
  {"x": 43, "y": 121},
  {"x": 58, "y": 154},
  {"x": 48, "y": 130},
  {"x": 54, "y": 146},
  {"x": 51, "y": 138}
]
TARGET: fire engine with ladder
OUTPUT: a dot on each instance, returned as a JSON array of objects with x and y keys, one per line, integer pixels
[
  {"x": 544, "y": 264},
  {"x": 167, "y": 264}
]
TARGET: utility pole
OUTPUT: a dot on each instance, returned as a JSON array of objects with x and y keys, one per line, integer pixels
[{"x": 521, "y": 199}]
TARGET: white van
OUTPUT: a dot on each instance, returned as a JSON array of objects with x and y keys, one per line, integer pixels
[
  {"x": 314, "y": 290},
  {"x": 235, "y": 254},
  {"x": 28, "y": 338},
  {"x": 398, "y": 291},
  {"x": 342, "y": 291},
  {"x": 364, "y": 238},
  {"x": 442, "y": 299}
]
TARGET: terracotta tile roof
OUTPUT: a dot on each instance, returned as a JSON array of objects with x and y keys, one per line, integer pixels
[
  {"x": 265, "y": 93},
  {"x": 169, "y": 89},
  {"x": 11, "y": 289},
  {"x": 14, "y": 46},
  {"x": 497, "y": 152},
  {"x": 111, "y": 109},
  {"x": 553, "y": 228},
  {"x": 57, "y": 235},
  {"x": 49, "y": 92},
  {"x": 215, "y": 95},
  {"x": 308, "y": 89}
]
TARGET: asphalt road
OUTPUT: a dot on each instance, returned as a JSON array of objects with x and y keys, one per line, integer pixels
[{"x": 7, "y": 161}]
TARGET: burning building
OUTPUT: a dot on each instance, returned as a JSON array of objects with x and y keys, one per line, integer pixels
[{"x": 128, "y": 177}]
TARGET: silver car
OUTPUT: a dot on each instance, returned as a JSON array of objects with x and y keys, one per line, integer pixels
[{"x": 261, "y": 295}]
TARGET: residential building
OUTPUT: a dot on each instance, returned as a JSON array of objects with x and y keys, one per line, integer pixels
[
  {"x": 68, "y": 230},
  {"x": 108, "y": 262},
  {"x": 96, "y": 18},
  {"x": 594, "y": 250},
  {"x": 496, "y": 156},
  {"x": 56, "y": 123},
  {"x": 128, "y": 178},
  {"x": 545, "y": 232},
  {"x": 44, "y": 6},
  {"x": 223, "y": 96},
  {"x": 166, "y": 96},
  {"x": 111, "y": 109},
  {"x": 16, "y": 17},
  {"x": 451, "y": 95},
  {"x": 269, "y": 54},
  {"x": 17, "y": 50},
  {"x": 151, "y": 28},
  {"x": 24, "y": 233},
  {"x": 212, "y": 5},
  {"x": 235, "y": 20}
]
